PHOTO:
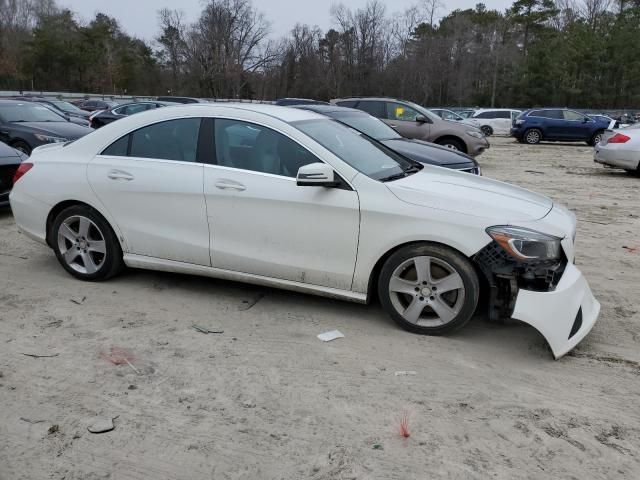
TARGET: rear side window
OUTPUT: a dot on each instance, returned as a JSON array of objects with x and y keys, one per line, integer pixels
[
  {"x": 571, "y": 115},
  {"x": 171, "y": 140},
  {"x": 118, "y": 148},
  {"x": 372, "y": 108},
  {"x": 486, "y": 115},
  {"x": 502, "y": 114}
]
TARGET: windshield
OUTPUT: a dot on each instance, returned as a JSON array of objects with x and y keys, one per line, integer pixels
[
  {"x": 66, "y": 107},
  {"x": 367, "y": 124},
  {"x": 28, "y": 112},
  {"x": 361, "y": 152}
]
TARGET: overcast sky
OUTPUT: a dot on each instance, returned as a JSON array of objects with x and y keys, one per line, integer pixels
[{"x": 138, "y": 17}]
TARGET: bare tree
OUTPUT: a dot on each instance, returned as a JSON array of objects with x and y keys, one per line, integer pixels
[{"x": 172, "y": 31}]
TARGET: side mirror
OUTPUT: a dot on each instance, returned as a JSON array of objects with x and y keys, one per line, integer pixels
[
  {"x": 316, "y": 175},
  {"x": 422, "y": 119}
]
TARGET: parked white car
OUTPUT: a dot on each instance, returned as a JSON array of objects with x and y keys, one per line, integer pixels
[
  {"x": 620, "y": 149},
  {"x": 290, "y": 198},
  {"x": 495, "y": 121},
  {"x": 452, "y": 116}
]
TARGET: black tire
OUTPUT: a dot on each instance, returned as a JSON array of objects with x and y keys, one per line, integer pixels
[
  {"x": 593, "y": 141},
  {"x": 468, "y": 299},
  {"x": 487, "y": 130},
  {"x": 24, "y": 147},
  {"x": 107, "y": 264},
  {"x": 533, "y": 136},
  {"x": 452, "y": 143}
]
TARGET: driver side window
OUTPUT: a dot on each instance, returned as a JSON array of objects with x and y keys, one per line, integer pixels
[
  {"x": 248, "y": 146},
  {"x": 570, "y": 115},
  {"x": 397, "y": 111}
]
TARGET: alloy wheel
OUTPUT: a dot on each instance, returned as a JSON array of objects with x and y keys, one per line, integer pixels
[
  {"x": 82, "y": 244},
  {"x": 427, "y": 291},
  {"x": 533, "y": 136}
]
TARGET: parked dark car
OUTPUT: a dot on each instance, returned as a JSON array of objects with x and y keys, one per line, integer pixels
[
  {"x": 183, "y": 100},
  {"x": 93, "y": 105},
  {"x": 288, "y": 102},
  {"x": 100, "y": 119},
  {"x": 10, "y": 160},
  {"x": 27, "y": 125},
  {"x": 418, "y": 150},
  {"x": 69, "y": 111},
  {"x": 557, "y": 125}
]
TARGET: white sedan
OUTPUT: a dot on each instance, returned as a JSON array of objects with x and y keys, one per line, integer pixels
[
  {"x": 620, "y": 149},
  {"x": 292, "y": 199}
]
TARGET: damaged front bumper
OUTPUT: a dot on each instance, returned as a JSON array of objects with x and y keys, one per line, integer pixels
[
  {"x": 563, "y": 316},
  {"x": 552, "y": 295}
]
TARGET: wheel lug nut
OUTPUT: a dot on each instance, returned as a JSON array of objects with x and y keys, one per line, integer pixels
[
  {"x": 422, "y": 299},
  {"x": 417, "y": 289},
  {"x": 433, "y": 288},
  {"x": 432, "y": 298}
]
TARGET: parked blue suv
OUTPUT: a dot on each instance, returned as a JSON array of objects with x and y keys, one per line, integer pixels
[{"x": 557, "y": 125}]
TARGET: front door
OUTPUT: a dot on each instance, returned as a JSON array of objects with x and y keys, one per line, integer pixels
[
  {"x": 263, "y": 223},
  {"x": 152, "y": 184},
  {"x": 404, "y": 119}
]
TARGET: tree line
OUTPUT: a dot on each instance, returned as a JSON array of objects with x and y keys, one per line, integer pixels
[{"x": 578, "y": 53}]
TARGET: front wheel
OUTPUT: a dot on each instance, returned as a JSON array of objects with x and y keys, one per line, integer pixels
[
  {"x": 452, "y": 144},
  {"x": 85, "y": 244},
  {"x": 22, "y": 147},
  {"x": 487, "y": 130},
  {"x": 429, "y": 289},
  {"x": 597, "y": 137}
]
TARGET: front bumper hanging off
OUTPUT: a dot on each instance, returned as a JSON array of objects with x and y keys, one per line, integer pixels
[{"x": 563, "y": 316}]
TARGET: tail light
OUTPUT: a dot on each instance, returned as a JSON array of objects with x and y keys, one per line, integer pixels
[
  {"x": 22, "y": 169},
  {"x": 619, "y": 138}
]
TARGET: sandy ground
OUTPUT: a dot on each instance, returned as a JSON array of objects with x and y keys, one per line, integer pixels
[{"x": 267, "y": 400}]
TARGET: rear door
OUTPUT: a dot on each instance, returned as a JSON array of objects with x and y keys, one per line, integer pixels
[
  {"x": 502, "y": 121},
  {"x": 554, "y": 125},
  {"x": 151, "y": 183}
]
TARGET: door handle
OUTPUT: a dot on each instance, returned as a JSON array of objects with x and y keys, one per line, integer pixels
[
  {"x": 119, "y": 175},
  {"x": 230, "y": 185}
]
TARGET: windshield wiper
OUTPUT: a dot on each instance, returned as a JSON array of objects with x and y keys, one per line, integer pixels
[{"x": 405, "y": 173}]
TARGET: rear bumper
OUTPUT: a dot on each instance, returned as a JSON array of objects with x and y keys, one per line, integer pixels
[
  {"x": 563, "y": 316},
  {"x": 614, "y": 157},
  {"x": 30, "y": 215}
]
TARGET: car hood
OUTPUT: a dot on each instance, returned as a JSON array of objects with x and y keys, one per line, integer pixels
[
  {"x": 56, "y": 129},
  {"x": 425, "y": 152},
  {"x": 453, "y": 191}
]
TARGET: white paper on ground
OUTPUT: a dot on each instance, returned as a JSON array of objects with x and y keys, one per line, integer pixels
[
  {"x": 401, "y": 373},
  {"x": 332, "y": 335}
]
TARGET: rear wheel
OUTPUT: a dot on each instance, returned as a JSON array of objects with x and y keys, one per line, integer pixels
[
  {"x": 85, "y": 244},
  {"x": 487, "y": 130},
  {"x": 452, "y": 143},
  {"x": 429, "y": 289},
  {"x": 533, "y": 136}
]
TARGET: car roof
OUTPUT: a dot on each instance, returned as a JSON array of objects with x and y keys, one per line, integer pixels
[
  {"x": 326, "y": 109},
  {"x": 286, "y": 114},
  {"x": 479, "y": 110}
]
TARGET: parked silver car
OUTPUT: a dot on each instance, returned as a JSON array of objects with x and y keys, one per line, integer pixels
[
  {"x": 620, "y": 149},
  {"x": 414, "y": 121}
]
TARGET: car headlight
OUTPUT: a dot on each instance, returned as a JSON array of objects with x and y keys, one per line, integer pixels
[
  {"x": 524, "y": 244},
  {"x": 49, "y": 139},
  {"x": 475, "y": 134}
]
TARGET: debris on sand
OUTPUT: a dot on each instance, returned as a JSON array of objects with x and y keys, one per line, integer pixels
[
  {"x": 402, "y": 373},
  {"x": 205, "y": 330},
  {"x": 78, "y": 301},
  {"x": 35, "y": 355},
  {"x": 120, "y": 356},
  {"x": 332, "y": 335},
  {"x": 53, "y": 429},
  {"x": 102, "y": 425}
]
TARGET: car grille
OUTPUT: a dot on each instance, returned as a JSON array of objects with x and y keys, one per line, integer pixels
[{"x": 6, "y": 178}]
